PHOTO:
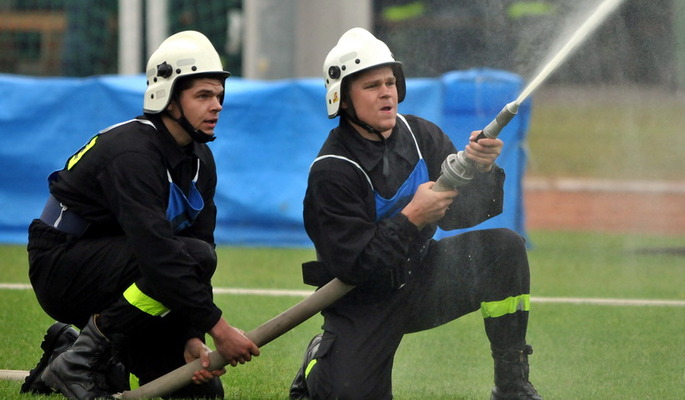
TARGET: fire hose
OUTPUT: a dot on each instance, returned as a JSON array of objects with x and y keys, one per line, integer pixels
[{"x": 260, "y": 336}]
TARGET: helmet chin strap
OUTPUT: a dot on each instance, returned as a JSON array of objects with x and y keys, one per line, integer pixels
[
  {"x": 351, "y": 115},
  {"x": 195, "y": 134}
]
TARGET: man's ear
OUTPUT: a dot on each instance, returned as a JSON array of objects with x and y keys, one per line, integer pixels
[{"x": 171, "y": 108}]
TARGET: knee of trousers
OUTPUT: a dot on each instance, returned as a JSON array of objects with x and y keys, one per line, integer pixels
[
  {"x": 340, "y": 390},
  {"x": 203, "y": 253},
  {"x": 513, "y": 273},
  {"x": 509, "y": 243},
  {"x": 349, "y": 383}
]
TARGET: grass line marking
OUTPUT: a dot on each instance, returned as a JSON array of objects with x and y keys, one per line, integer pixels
[
  {"x": 305, "y": 293},
  {"x": 264, "y": 292},
  {"x": 13, "y": 374},
  {"x": 608, "y": 302}
]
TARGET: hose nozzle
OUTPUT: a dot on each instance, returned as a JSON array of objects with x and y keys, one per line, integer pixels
[{"x": 493, "y": 129}]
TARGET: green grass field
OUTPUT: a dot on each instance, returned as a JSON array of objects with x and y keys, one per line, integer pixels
[{"x": 582, "y": 351}]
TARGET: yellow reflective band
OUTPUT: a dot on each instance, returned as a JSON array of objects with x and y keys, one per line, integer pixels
[
  {"x": 76, "y": 157},
  {"x": 133, "y": 381},
  {"x": 144, "y": 302},
  {"x": 494, "y": 309},
  {"x": 309, "y": 367}
]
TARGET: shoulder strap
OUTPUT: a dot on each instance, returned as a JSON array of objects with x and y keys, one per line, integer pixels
[
  {"x": 412, "y": 134},
  {"x": 345, "y": 159}
]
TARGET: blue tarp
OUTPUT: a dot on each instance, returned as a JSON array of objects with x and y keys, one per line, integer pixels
[{"x": 269, "y": 133}]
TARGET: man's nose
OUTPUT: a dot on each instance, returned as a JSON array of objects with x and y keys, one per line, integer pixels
[{"x": 216, "y": 104}]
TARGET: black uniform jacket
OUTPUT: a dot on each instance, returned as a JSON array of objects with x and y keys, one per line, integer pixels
[
  {"x": 119, "y": 184},
  {"x": 339, "y": 204}
]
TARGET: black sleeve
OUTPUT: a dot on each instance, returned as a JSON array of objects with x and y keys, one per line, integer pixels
[{"x": 134, "y": 185}]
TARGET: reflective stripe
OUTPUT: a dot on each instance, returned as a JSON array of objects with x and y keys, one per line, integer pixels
[
  {"x": 144, "y": 303},
  {"x": 494, "y": 309},
  {"x": 76, "y": 157},
  {"x": 309, "y": 368},
  {"x": 133, "y": 381}
]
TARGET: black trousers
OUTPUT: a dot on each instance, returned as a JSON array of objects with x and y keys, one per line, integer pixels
[
  {"x": 455, "y": 276},
  {"x": 76, "y": 278}
]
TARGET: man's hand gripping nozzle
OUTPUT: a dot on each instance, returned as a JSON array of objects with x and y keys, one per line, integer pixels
[{"x": 457, "y": 170}]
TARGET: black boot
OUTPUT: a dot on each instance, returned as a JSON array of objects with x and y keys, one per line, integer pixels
[
  {"x": 298, "y": 389},
  {"x": 80, "y": 373},
  {"x": 58, "y": 338},
  {"x": 511, "y": 375},
  {"x": 117, "y": 374}
]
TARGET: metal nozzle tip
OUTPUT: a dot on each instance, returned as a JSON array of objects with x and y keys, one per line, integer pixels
[{"x": 513, "y": 107}]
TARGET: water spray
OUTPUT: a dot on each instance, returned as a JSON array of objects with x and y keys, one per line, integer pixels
[{"x": 457, "y": 170}]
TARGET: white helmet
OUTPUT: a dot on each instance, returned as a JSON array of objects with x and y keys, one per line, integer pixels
[
  {"x": 182, "y": 54},
  {"x": 357, "y": 50}
]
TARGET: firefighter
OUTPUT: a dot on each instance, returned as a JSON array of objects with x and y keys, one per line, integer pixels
[
  {"x": 124, "y": 249},
  {"x": 370, "y": 211}
]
